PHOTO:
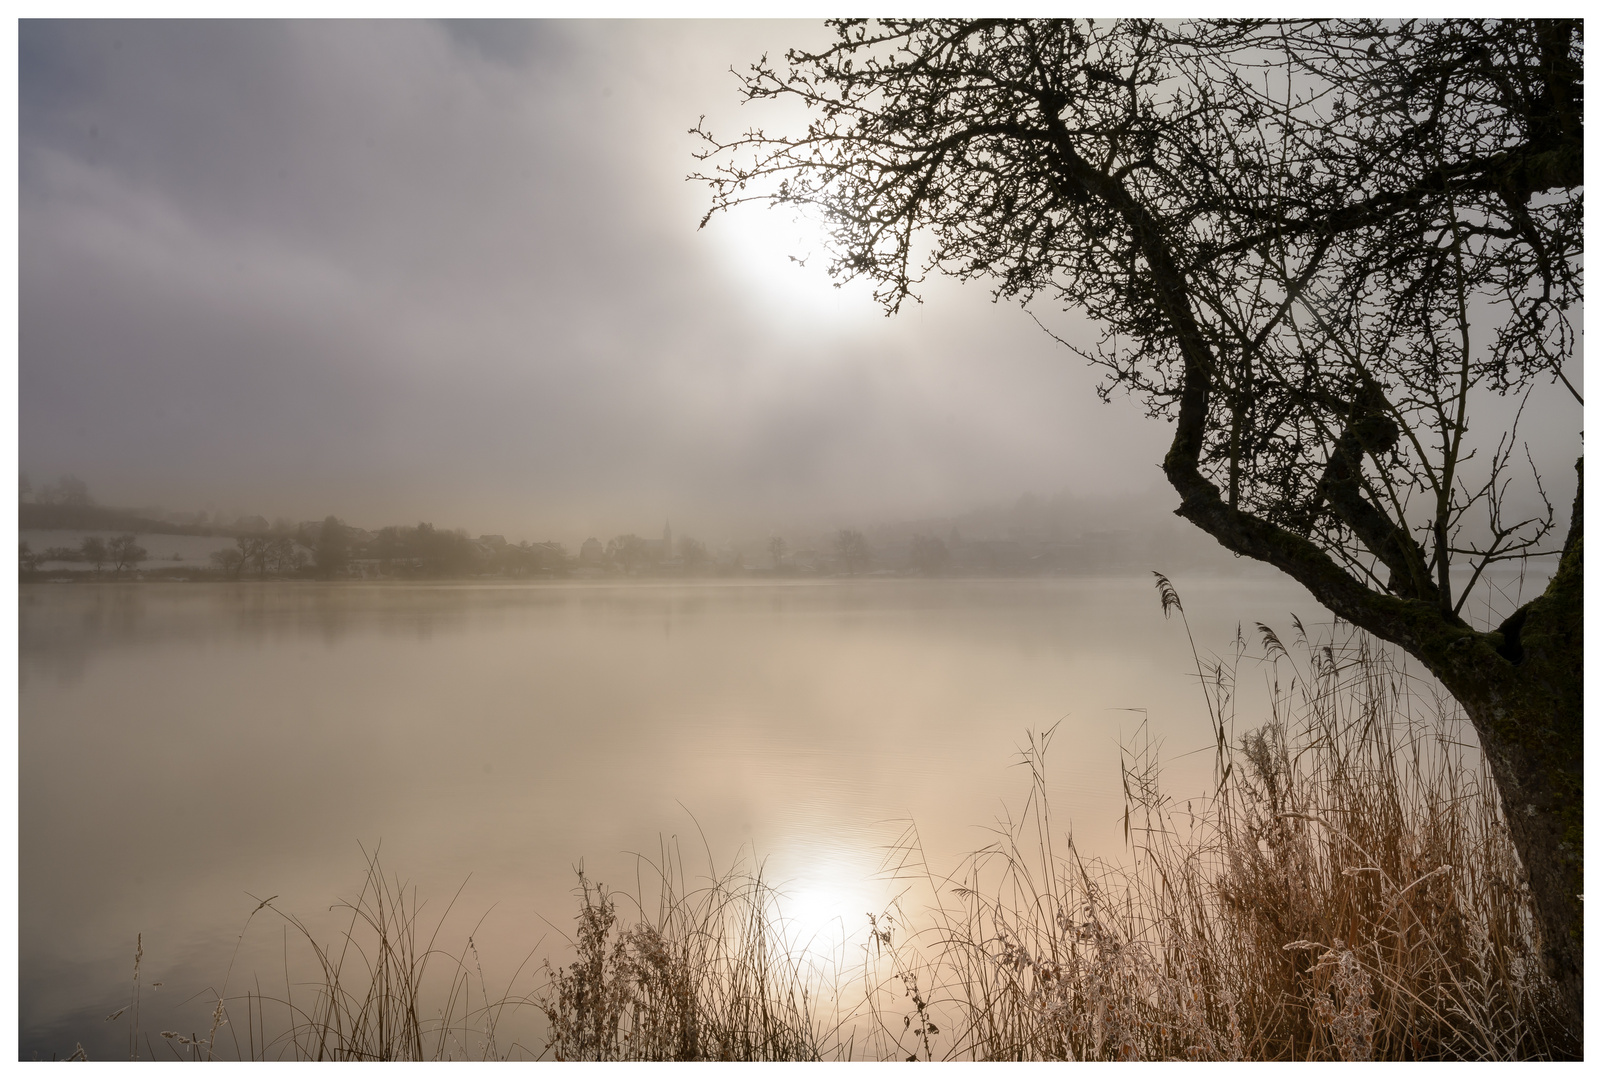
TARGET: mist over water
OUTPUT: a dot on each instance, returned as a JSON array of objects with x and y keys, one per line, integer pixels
[
  {"x": 406, "y": 272},
  {"x": 184, "y": 748}
]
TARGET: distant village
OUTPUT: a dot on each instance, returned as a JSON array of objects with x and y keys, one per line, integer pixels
[{"x": 67, "y": 536}]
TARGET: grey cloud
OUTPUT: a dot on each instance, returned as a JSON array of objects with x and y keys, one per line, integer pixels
[{"x": 399, "y": 270}]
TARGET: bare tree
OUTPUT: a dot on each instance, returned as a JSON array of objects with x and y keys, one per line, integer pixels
[
  {"x": 1315, "y": 249},
  {"x": 694, "y": 554},
  {"x": 929, "y": 554},
  {"x": 627, "y": 551},
  {"x": 94, "y": 552},
  {"x": 253, "y": 549},
  {"x": 281, "y": 556},
  {"x": 124, "y": 552},
  {"x": 333, "y": 548},
  {"x": 67, "y": 491},
  {"x": 851, "y": 548},
  {"x": 776, "y": 549},
  {"x": 229, "y": 560}
]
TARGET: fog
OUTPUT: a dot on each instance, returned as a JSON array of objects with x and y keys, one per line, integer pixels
[
  {"x": 405, "y": 272},
  {"x": 409, "y": 271}
]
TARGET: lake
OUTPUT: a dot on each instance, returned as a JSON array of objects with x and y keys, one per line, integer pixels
[{"x": 185, "y": 748}]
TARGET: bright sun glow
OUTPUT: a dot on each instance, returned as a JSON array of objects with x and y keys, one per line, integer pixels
[
  {"x": 829, "y": 901},
  {"x": 817, "y": 918},
  {"x": 782, "y": 256}
]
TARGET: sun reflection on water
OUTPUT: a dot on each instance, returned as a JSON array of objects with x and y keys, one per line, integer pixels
[{"x": 824, "y": 903}]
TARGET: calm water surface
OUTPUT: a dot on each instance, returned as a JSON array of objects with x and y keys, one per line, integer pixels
[{"x": 186, "y": 747}]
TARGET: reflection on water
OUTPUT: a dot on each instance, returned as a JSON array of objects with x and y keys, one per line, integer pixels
[{"x": 184, "y": 747}]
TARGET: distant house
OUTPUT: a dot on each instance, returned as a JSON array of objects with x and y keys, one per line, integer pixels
[{"x": 591, "y": 553}]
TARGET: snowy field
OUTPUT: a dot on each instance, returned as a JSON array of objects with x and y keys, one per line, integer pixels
[{"x": 164, "y": 549}]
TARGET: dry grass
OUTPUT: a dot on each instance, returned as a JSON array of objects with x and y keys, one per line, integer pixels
[
  {"x": 712, "y": 975},
  {"x": 380, "y": 991},
  {"x": 1348, "y": 891}
]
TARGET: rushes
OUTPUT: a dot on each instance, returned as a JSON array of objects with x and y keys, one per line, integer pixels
[
  {"x": 133, "y": 1021},
  {"x": 369, "y": 1004},
  {"x": 1349, "y": 892},
  {"x": 1363, "y": 820},
  {"x": 711, "y": 976},
  {"x": 374, "y": 1016},
  {"x": 372, "y": 995}
]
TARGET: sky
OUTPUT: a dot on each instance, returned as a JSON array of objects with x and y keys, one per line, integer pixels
[
  {"x": 412, "y": 271},
  {"x": 416, "y": 271}
]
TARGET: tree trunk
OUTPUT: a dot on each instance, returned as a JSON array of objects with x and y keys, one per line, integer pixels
[{"x": 1523, "y": 689}]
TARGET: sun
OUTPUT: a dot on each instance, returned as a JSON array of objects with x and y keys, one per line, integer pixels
[{"x": 781, "y": 256}]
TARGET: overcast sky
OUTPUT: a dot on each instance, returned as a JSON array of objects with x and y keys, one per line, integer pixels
[{"x": 404, "y": 271}]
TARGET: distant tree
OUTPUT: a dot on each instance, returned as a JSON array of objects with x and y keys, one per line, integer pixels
[
  {"x": 253, "y": 552},
  {"x": 74, "y": 492},
  {"x": 776, "y": 549},
  {"x": 94, "y": 552},
  {"x": 281, "y": 556},
  {"x": 693, "y": 553},
  {"x": 29, "y": 557},
  {"x": 125, "y": 553},
  {"x": 441, "y": 553},
  {"x": 851, "y": 548},
  {"x": 387, "y": 547},
  {"x": 457, "y": 553},
  {"x": 929, "y": 554},
  {"x": 526, "y": 558},
  {"x": 67, "y": 491},
  {"x": 229, "y": 560},
  {"x": 333, "y": 548},
  {"x": 549, "y": 556},
  {"x": 627, "y": 551}
]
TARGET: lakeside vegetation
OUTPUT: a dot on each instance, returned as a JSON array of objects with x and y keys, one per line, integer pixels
[
  {"x": 1348, "y": 891},
  {"x": 1028, "y": 536}
]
